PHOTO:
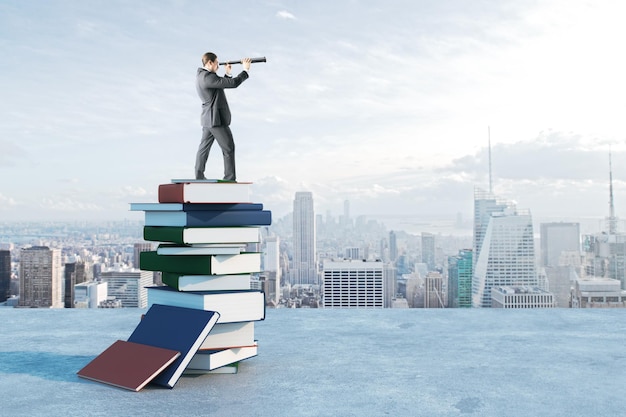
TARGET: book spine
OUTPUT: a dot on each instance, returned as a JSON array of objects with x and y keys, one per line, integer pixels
[
  {"x": 163, "y": 234},
  {"x": 171, "y": 280},
  {"x": 192, "y": 265},
  {"x": 172, "y": 193}
]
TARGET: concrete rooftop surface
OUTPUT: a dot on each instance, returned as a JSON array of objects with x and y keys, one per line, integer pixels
[{"x": 315, "y": 362}]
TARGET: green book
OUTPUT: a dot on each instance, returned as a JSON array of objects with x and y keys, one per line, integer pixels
[{"x": 243, "y": 263}]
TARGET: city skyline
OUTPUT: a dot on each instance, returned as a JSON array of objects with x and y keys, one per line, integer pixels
[{"x": 389, "y": 107}]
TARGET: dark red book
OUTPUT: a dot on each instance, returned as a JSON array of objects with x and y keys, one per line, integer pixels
[{"x": 128, "y": 365}]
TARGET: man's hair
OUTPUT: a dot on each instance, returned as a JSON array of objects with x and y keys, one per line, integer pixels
[{"x": 209, "y": 56}]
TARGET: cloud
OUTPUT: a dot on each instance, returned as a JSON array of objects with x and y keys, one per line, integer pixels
[
  {"x": 284, "y": 14},
  {"x": 6, "y": 202}
]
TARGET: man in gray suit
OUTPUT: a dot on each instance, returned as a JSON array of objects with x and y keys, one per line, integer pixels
[{"x": 215, "y": 116}]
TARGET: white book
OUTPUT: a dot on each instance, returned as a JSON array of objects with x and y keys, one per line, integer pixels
[
  {"x": 213, "y": 359},
  {"x": 207, "y": 235},
  {"x": 225, "y": 249},
  {"x": 182, "y": 282},
  {"x": 204, "y": 192},
  {"x": 229, "y": 335},
  {"x": 233, "y": 306}
]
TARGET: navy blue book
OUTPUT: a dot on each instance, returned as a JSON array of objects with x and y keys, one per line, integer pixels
[
  {"x": 176, "y": 328},
  {"x": 194, "y": 206},
  {"x": 209, "y": 218}
]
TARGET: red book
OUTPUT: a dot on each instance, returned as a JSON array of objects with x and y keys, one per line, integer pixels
[
  {"x": 128, "y": 365},
  {"x": 205, "y": 192}
]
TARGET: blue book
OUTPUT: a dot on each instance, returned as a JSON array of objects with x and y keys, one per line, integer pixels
[
  {"x": 175, "y": 328},
  {"x": 209, "y": 218}
]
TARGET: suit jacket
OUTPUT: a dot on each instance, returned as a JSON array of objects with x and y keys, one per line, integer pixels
[{"x": 210, "y": 86}]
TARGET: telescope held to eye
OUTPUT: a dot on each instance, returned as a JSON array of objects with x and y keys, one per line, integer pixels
[{"x": 252, "y": 61}]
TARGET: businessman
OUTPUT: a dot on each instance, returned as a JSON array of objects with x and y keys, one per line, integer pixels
[{"x": 215, "y": 116}]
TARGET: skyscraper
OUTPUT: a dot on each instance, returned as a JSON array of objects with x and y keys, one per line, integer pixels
[
  {"x": 5, "y": 275},
  {"x": 428, "y": 250},
  {"x": 304, "y": 269},
  {"x": 393, "y": 248},
  {"x": 506, "y": 256},
  {"x": 271, "y": 266},
  {"x": 40, "y": 277},
  {"x": 557, "y": 238},
  {"x": 460, "y": 279},
  {"x": 485, "y": 204},
  {"x": 74, "y": 274}
]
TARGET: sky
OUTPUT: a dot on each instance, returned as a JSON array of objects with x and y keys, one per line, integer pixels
[{"x": 390, "y": 105}]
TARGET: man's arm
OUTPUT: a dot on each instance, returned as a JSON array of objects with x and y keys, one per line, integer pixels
[{"x": 212, "y": 80}]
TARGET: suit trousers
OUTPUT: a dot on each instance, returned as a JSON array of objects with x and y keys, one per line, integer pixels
[{"x": 224, "y": 138}]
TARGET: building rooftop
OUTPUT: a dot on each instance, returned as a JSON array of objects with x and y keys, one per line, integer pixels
[{"x": 312, "y": 362}]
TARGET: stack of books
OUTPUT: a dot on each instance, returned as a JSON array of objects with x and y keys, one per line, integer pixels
[{"x": 204, "y": 230}]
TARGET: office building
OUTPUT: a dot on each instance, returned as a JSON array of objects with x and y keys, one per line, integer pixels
[
  {"x": 557, "y": 238},
  {"x": 304, "y": 271},
  {"x": 128, "y": 286},
  {"x": 605, "y": 256},
  {"x": 90, "y": 294},
  {"x": 506, "y": 256},
  {"x": 433, "y": 291},
  {"x": 521, "y": 297},
  {"x": 390, "y": 283},
  {"x": 40, "y": 277},
  {"x": 352, "y": 253},
  {"x": 460, "y": 279},
  {"x": 5, "y": 275},
  {"x": 74, "y": 274},
  {"x": 598, "y": 292},
  {"x": 353, "y": 284}
]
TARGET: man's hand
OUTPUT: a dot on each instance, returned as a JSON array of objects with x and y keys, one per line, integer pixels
[
  {"x": 246, "y": 63},
  {"x": 228, "y": 67}
]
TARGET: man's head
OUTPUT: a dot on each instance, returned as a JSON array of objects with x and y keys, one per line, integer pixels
[{"x": 210, "y": 62}]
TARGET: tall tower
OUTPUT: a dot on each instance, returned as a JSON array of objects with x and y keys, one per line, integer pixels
[
  {"x": 507, "y": 255},
  {"x": 612, "y": 219},
  {"x": 304, "y": 261},
  {"x": 485, "y": 204},
  {"x": 40, "y": 277},
  {"x": 393, "y": 248},
  {"x": 5, "y": 275},
  {"x": 428, "y": 250}
]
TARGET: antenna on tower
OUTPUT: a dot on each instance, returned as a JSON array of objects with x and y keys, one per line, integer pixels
[
  {"x": 489, "y": 138},
  {"x": 612, "y": 218}
]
